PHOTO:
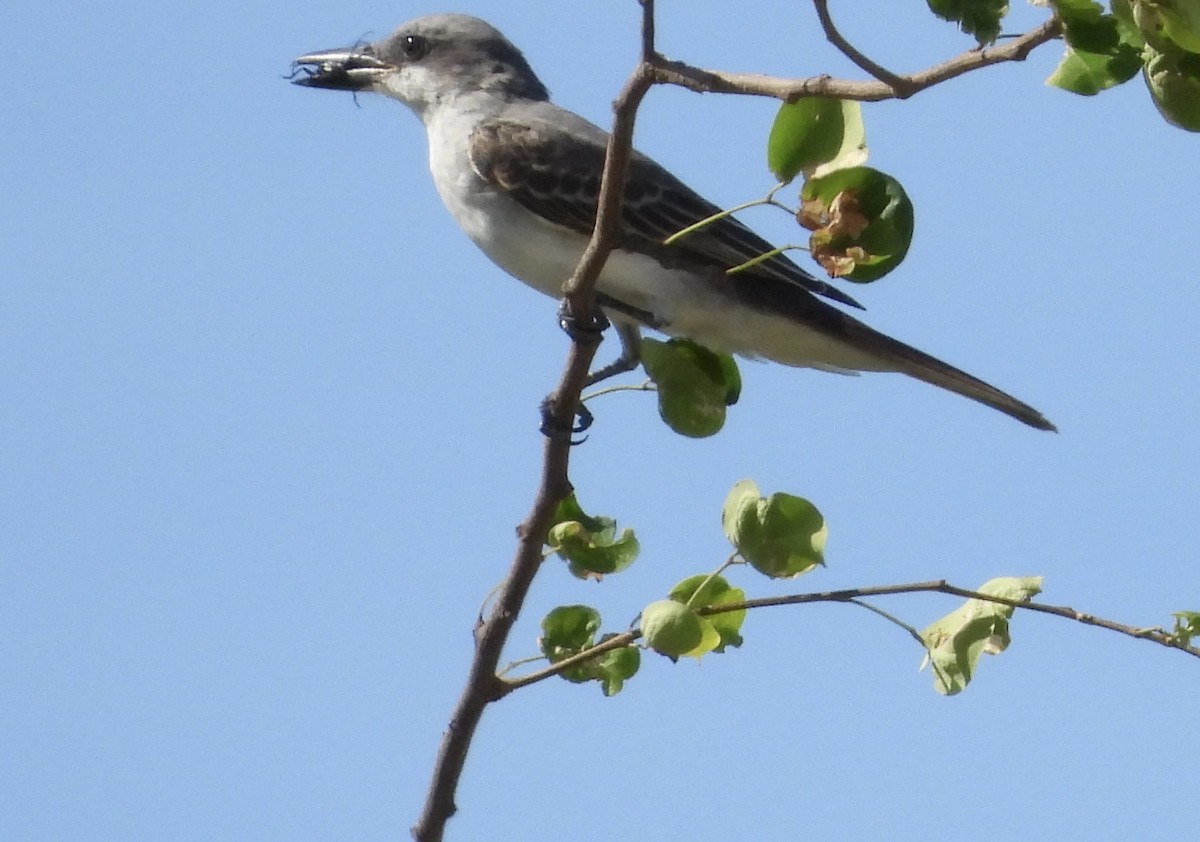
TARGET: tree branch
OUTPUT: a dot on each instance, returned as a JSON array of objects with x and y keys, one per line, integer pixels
[
  {"x": 900, "y": 85},
  {"x": 1155, "y": 635},
  {"x": 615, "y": 642},
  {"x": 483, "y": 685},
  {"x": 854, "y": 596},
  {"x": 753, "y": 84}
]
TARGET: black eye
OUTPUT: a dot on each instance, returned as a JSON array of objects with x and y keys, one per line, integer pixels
[{"x": 414, "y": 46}]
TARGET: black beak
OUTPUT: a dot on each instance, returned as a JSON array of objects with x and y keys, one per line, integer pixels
[{"x": 344, "y": 69}]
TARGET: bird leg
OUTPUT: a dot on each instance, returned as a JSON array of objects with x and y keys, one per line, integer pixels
[{"x": 631, "y": 355}]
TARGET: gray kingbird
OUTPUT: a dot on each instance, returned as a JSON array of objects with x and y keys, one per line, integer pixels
[{"x": 521, "y": 177}]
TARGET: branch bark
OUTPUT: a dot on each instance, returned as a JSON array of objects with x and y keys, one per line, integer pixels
[
  {"x": 854, "y": 596},
  {"x": 752, "y": 84},
  {"x": 483, "y": 685},
  {"x": 1154, "y": 635},
  {"x": 899, "y": 84}
]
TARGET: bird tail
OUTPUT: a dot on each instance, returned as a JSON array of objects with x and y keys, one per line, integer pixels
[{"x": 908, "y": 360}]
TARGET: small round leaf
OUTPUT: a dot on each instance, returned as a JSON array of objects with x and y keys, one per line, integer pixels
[
  {"x": 671, "y": 628},
  {"x": 1174, "y": 82},
  {"x": 862, "y": 222},
  {"x": 695, "y": 385}
]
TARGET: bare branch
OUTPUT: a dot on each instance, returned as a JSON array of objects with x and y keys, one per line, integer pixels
[
  {"x": 1155, "y": 635},
  {"x": 612, "y": 184},
  {"x": 900, "y": 85},
  {"x": 854, "y": 596},
  {"x": 483, "y": 685},
  {"x": 896, "y": 621},
  {"x": 753, "y": 84}
]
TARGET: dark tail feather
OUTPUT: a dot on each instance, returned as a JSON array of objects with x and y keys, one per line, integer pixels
[{"x": 918, "y": 364}]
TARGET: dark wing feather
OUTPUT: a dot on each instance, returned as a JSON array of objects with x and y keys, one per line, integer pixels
[{"x": 557, "y": 176}]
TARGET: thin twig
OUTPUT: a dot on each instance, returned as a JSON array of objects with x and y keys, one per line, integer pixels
[
  {"x": 769, "y": 199},
  {"x": 617, "y": 641},
  {"x": 1154, "y": 635},
  {"x": 644, "y": 386},
  {"x": 854, "y": 596},
  {"x": 875, "y": 609},
  {"x": 902, "y": 87},
  {"x": 753, "y": 84}
]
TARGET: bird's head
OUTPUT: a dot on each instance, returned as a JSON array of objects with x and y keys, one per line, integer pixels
[{"x": 426, "y": 62}]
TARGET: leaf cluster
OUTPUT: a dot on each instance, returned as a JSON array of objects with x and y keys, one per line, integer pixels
[
  {"x": 860, "y": 218},
  {"x": 781, "y": 536},
  {"x": 1106, "y": 47}
]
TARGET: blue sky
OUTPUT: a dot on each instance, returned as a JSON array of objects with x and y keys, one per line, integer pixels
[{"x": 269, "y": 421}]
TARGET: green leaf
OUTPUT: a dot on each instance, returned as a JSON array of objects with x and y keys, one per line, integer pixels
[
  {"x": 671, "y": 628},
  {"x": 1122, "y": 10},
  {"x": 957, "y": 641},
  {"x": 1168, "y": 24},
  {"x": 569, "y": 510},
  {"x": 590, "y": 545},
  {"x": 571, "y": 629},
  {"x": 694, "y": 384},
  {"x": 1187, "y": 626},
  {"x": 1102, "y": 50},
  {"x": 713, "y": 591},
  {"x": 1174, "y": 82},
  {"x": 702, "y": 590},
  {"x": 781, "y": 536},
  {"x": 1086, "y": 26},
  {"x": 740, "y": 503},
  {"x": 853, "y": 151},
  {"x": 1181, "y": 23},
  {"x": 568, "y": 630},
  {"x": 1088, "y": 74},
  {"x": 815, "y": 132},
  {"x": 980, "y": 18},
  {"x": 615, "y": 667},
  {"x": 862, "y": 222}
]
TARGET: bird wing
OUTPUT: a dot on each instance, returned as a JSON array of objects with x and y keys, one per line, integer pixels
[{"x": 556, "y": 174}]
